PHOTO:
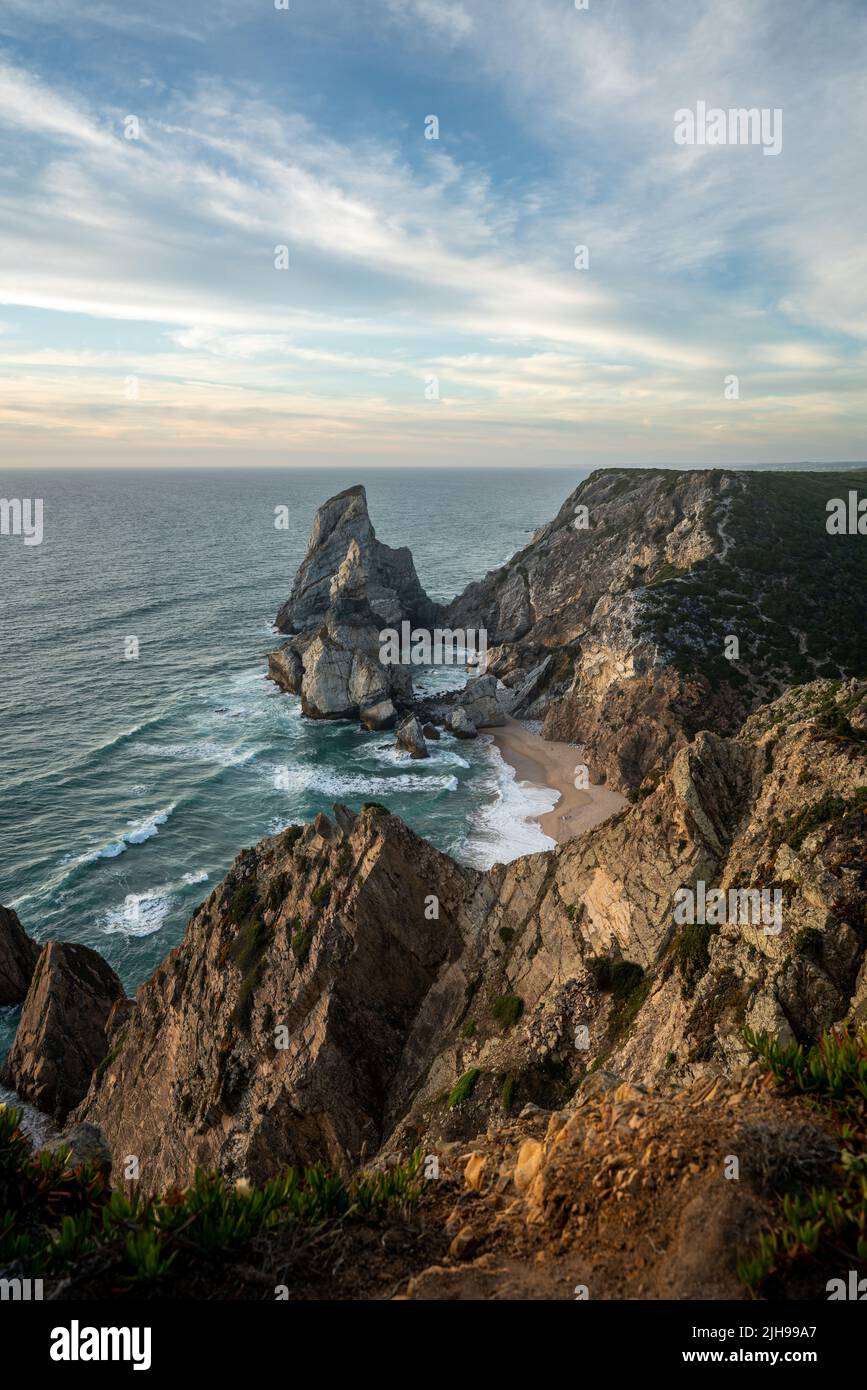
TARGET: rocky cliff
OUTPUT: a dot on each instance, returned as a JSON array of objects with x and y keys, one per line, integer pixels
[
  {"x": 331, "y": 995},
  {"x": 614, "y": 624}
]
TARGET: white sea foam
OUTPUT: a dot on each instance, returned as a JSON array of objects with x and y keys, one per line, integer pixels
[
  {"x": 140, "y": 914},
  {"x": 203, "y": 751},
  {"x": 504, "y": 827},
  {"x": 145, "y": 829},
  {"x": 339, "y": 784}
]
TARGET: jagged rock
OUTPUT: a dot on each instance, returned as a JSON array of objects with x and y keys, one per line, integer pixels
[
  {"x": 86, "y": 1144},
  {"x": 410, "y": 737},
  {"x": 346, "y": 959},
  {"x": 391, "y": 582},
  {"x": 62, "y": 1033},
  {"x": 336, "y": 669},
  {"x": 431, "y": 731},
  {"x": 381, "y": 715},
  {"x": 18, "y": 956},
  {"x": 459, "y": 723}
]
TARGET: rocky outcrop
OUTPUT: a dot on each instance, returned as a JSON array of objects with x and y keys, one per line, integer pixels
[
  {"x": 410, "y": 737},
  {"x": 18, "y": 956},
  {"x": 353, "y": 976},
  {"x": 326, "y": 977},
  {"x": 479, "y": 705},
  {"x": 336, "y": 670},
  {"x": 62, "y": 1036},
  {"x": 459, "y": 723},
  {"x": 390, "y": 579}
]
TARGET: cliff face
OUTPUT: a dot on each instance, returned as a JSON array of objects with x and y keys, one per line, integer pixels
[
  {"x": 18, "y": 956},
  {"x": 617, "y": 631},
  {"x": 332, "y": 992}
]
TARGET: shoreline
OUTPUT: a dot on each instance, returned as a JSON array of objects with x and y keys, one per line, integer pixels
[{"x": 550, "y": 765}]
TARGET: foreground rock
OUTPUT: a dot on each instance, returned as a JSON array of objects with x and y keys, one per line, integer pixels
[
  {"x": 398, "y": 977},
  {"x": 63, "y": 1031},
  {"x": 18, "y": 956}
]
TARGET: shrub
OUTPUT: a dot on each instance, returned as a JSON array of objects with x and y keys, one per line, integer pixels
[
  {"x": 321, "y": 896},
  {"x": 463, "y": 1088},
  {"x": 820, "y": 1228},
  {"x": 693, "y": 955},
  {"x": 507, "y": 1009},
  {"x": 507, "y": 1093},
  {"x": 243, "y": 901},
  {"x": 51, "y": 1218}
]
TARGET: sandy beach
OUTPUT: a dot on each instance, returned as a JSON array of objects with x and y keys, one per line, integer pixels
[{"x": 546, "y": 764}]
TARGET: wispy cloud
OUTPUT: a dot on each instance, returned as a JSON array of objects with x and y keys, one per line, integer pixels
[{"x": 410, "y": 260}]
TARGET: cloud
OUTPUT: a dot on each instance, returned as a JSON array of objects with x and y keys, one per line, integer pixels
[{"x": 455, "y": 258}]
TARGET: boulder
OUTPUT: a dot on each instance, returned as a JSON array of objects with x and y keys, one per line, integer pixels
[
  {"x": 62, "y": 1032},
  {"x": 460, "y": 724},
  {"x": 410, "y": 737},
  {"x": 18, "y": 957},
  {"x": 381, "y": 715},
  {"x": 431, "y": 731},
  {"x": 479, "y": 699}
]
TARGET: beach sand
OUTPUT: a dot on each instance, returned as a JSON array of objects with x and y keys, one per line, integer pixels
[{"x": 546, "y": 764}]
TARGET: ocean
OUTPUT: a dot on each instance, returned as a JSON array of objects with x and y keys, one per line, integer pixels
[{"x": 128, "y": 785}]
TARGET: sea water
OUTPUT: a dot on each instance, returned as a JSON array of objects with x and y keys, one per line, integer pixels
[{"x": 128, "y": 785}]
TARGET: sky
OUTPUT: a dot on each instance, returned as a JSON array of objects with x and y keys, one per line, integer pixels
[{"x": 226, "y": 238}]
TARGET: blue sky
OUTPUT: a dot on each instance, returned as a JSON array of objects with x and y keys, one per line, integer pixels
[{"x": 142, "y": 318}]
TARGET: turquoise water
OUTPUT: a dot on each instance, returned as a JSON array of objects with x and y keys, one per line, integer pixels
[{"x": 128, "y": 786}]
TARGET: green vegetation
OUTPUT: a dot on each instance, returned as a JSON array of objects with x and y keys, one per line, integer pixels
[
  {"x": 781, "y": 547},
  {"x": 277, "y": 892},
  {"x": 693, "y": 955},
  {"x": 469, "y": 1029},
  {"x": 321, "y": 896},
  {"x": 617, "y": 977},
  {"x": 52, "y": 1218},
  {"x": 243, "y": 901},
  {"x": 507, "y": 1009},
  {"x": 821, "y": 1229},
  {"x": 292, "y": 836},
  {"x": 507, "y": 1093},
  {"x": 829, "y": 808},
  {"x": 463, "y": 1089},
  {"x": 247, "y": 951},
  {"x": 302, "y": 940},
  {"x": 506, "y": 934},
  {"x": 664, "y": 574},
  {"x": 570, "y": 911}
]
